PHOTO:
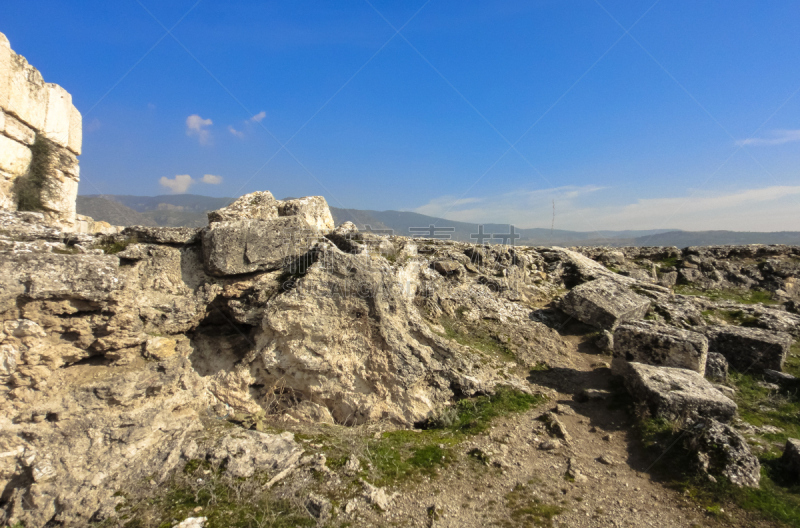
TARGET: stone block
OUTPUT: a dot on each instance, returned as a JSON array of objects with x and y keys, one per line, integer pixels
[
  {"x": 791, "y": 458},
  {"x": 57, "y": 119},
  {"x": 15, "y": 158},
  {"x": 5, "y": 70},
  {"x": 604, "y": 303},
  {"x": 16, "y": 129},
  {"x": 661, "y": 345},
  {"x": 749, "y": 349},
  {"x": 163, "y": 235},
  {"x": 674, "y": 393},
  {"x": 27, "y": 98},
  {"x": 75, "y": 131},
  {"x": 246, "y": 246}
]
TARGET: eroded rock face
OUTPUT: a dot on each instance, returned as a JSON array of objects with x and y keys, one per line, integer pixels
[
  {"x": 604, "y": 303},
  {"x": 676, "y": 394},
  {"x": 654, "y": 344}
]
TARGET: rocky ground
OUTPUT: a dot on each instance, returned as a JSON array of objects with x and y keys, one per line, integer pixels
[{"x": 272, "y": 370}]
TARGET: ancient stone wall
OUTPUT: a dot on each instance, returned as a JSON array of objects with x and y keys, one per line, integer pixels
[{"x": 40, "y": 139}]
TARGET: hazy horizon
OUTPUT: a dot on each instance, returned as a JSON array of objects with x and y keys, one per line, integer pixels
[{"x": 618, "y": 115}]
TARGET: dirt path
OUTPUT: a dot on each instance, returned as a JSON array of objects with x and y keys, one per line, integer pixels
[{"x": 596, "y": 478}]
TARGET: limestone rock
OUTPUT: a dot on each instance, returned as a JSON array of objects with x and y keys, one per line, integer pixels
[
  {"x": 27, "y": 93},
  {"x": 791, "y": 458},
  {"x": 16, "y": 129},
  {"x": 377, "y": 496},
  {"x": 716, "y": 367},
  {"x": 604, "y": 303},
  {"x": 245, "y": 246},
  {"x": 57, "y": 117},
  {"x": 245, "y": 452},
  {"x": 162, "y": 235},
  {"x": 750, "y": 349},
  {"x": 674, "y": 393},
  {"x": 260, "y": 205},
  {"x": 192, "y": 522},
  {"x": 160, "y": 348},
  {"x": 75, "y": 131},
  {"x": 721, "y": 450},
  {"x": 666, "y": 346},
  {"x": 313, "y": 209}
]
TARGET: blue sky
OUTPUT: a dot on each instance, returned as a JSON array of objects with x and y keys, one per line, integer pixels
[{"x": 626, "y": 114}]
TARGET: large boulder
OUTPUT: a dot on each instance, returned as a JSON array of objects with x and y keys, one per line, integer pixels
[
  {"x": 260, "y": 205},
  {"x": 721, "y": 450},
  {"x": 661, "y": 345},
  {"x": 245, "y": 246},
  {"x": 675, "y": 394},
  {"x": 604, "y": 303},
  {"x": 313, "y": 209},
  {"x": 750, "y": 349}
]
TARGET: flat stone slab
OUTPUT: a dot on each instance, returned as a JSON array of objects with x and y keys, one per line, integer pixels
[
  {"x": 661, "y": 345},
  {"x": 604, "y": 303},
  {"x": 674, "y": 393},
  {"x": 750, "y": 349},
  {"x": 247, "y": 246}
]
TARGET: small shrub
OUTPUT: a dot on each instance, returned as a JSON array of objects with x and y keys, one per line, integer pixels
[{"x": 29, "y": 188}]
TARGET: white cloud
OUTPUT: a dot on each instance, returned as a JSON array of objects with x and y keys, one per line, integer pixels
[
  {"x": 779, "y": 137},
  {"x": 237, "y": 133},
  {"x": 211, "y": 179},
  {"x": 179, "y": 184},
  {"x": 589, "y": 209},
  {"x": 197, "y": 126},
  {"x": 258, "y": 117}
]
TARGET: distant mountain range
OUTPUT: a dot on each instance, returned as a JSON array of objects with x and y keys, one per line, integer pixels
[{"x": 190, "y": 210}]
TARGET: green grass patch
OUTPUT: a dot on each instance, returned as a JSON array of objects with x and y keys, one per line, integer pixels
[
  {"x": 112, "y": 246},
  {"x": 399, "y": 455},
  {"x": 474, "y": 415},
  {"x": 527, "y": 510},
  {"x": 760, "y": 406},
  {"x": 733, "y": 317},
  {"x": 667, "y": 262},
  {"x": 742, "y": 297}
]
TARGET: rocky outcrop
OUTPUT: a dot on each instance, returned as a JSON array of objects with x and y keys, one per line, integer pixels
[
  {"x": 40, "y": 139},
  {"x": 749, "y": 349},
  {"x": 721, "y": 450},
  {"x": 666, "y": 346},
  {"x": 604, "y": 303},
  {"x": 676, "y": 394}
]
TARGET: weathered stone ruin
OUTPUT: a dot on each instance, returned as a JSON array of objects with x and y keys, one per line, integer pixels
[{"x": 40, "y": 141}]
